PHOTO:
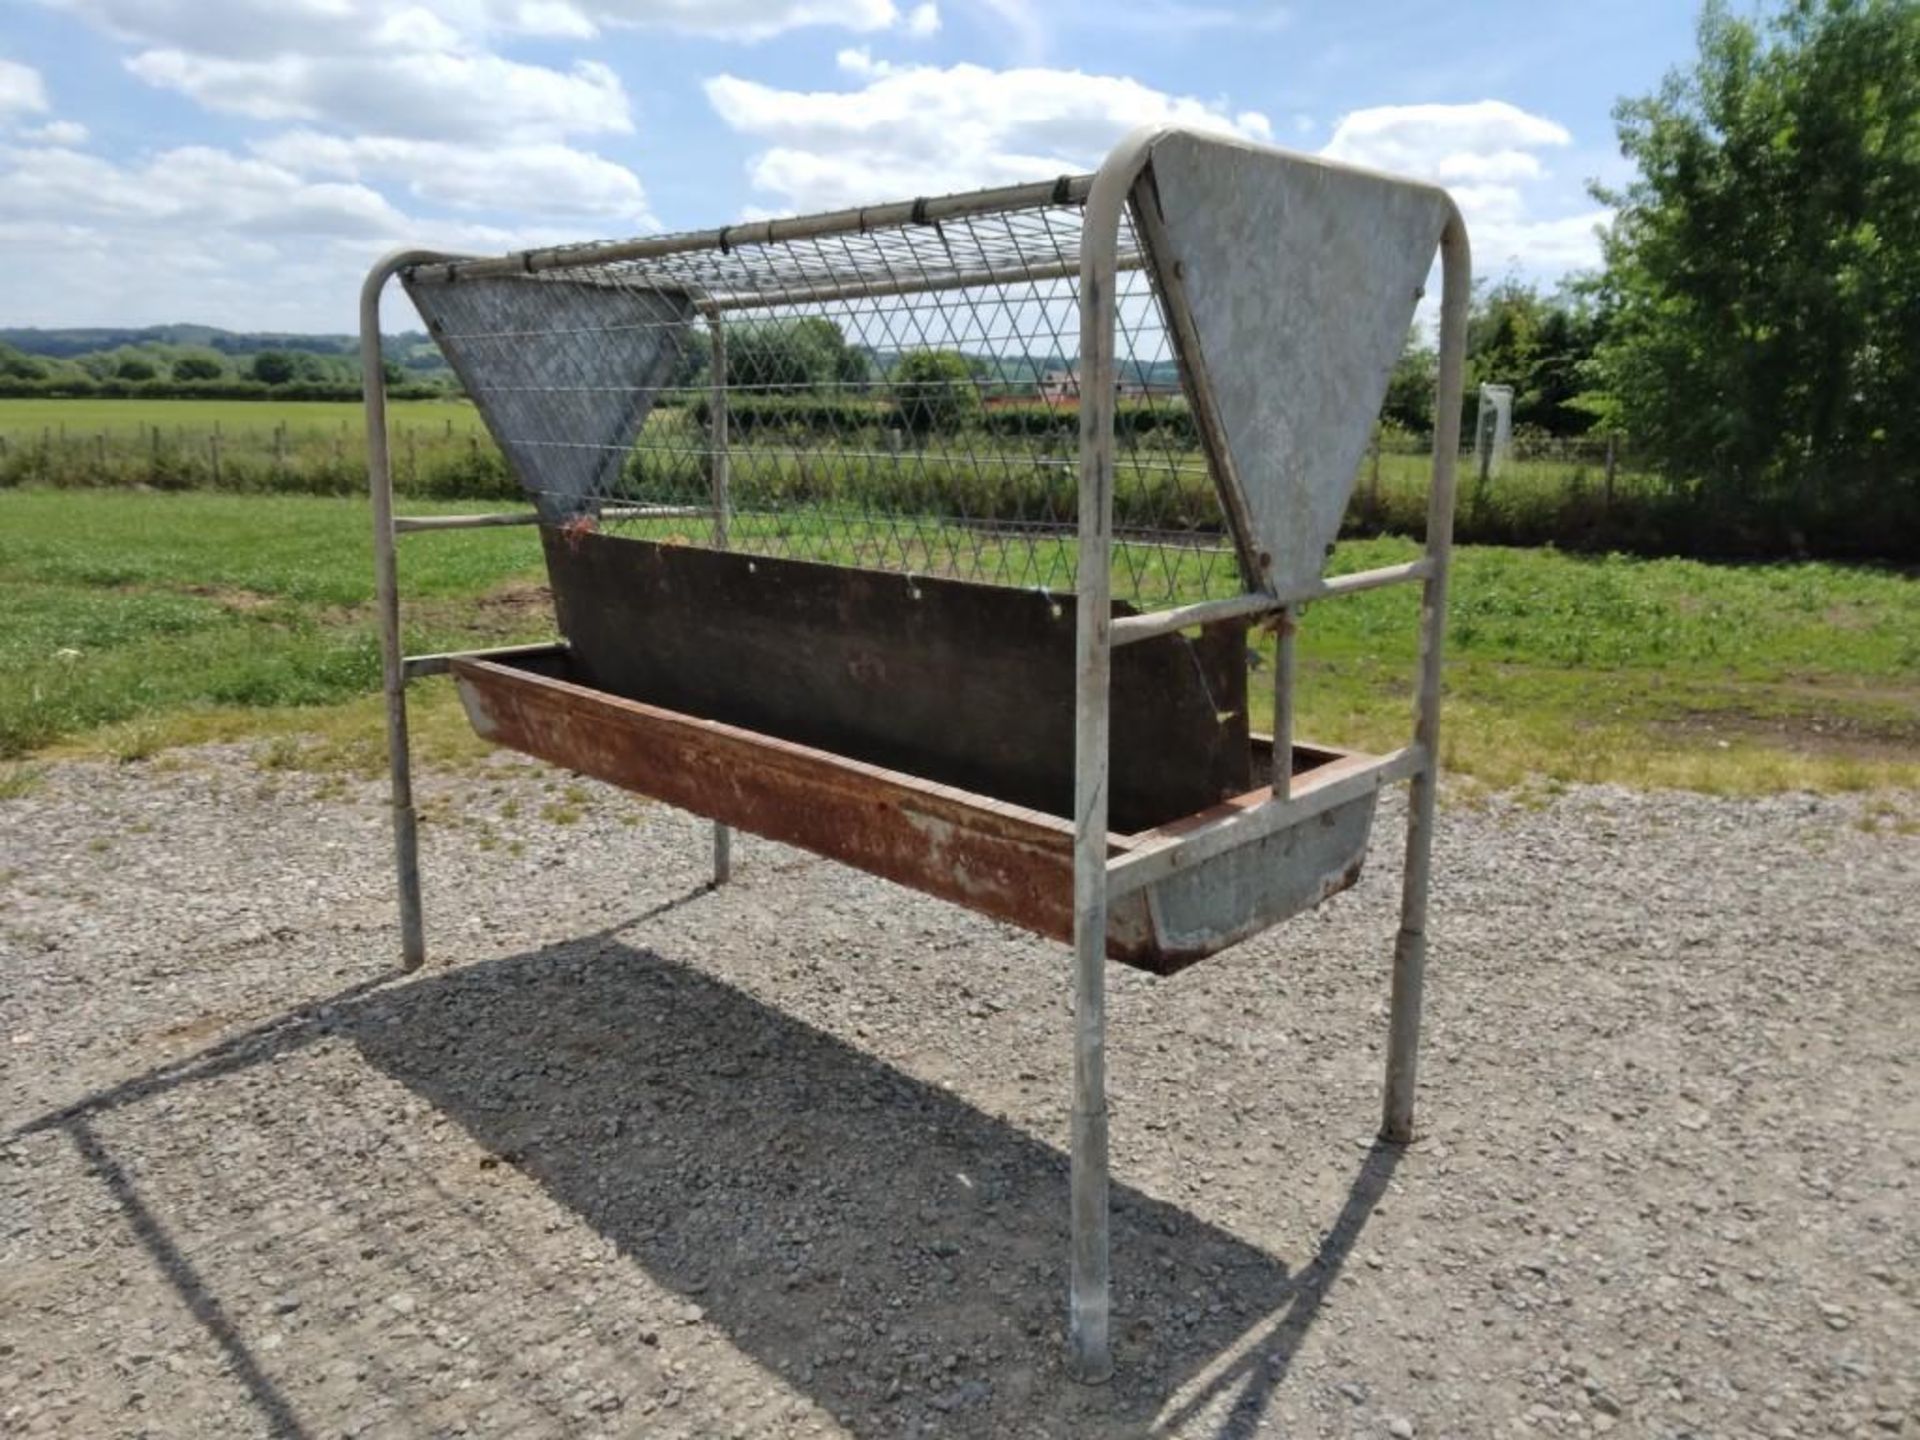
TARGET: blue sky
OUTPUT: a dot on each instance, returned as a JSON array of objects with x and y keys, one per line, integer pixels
[{"x": 240, "y": 163}]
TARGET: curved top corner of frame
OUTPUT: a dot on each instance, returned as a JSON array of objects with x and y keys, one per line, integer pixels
[
  {"x": 393, "y": 262},
  {"x": 1158, "y": 145}
]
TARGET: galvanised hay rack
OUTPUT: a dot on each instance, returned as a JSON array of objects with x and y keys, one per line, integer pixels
[{"x": 927, "y": 536}]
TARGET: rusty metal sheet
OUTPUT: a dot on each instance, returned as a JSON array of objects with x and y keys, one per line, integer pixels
[
  {"x": 1012, "y": 863},
  {"x": 965, "y": 684},
  {"x": 1003, "y": 860}
]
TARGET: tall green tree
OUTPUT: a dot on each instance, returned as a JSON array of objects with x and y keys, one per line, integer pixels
[
  {"x": 785, "y": 355},
  {"x": 274, "y": 367},
  {"x": 1539, "y": 344},
  {"x": 934, "y": 390},
  {"x": 1761, "y": 292}
]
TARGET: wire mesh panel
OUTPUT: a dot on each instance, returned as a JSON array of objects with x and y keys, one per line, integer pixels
[{"x": 901, "y": 398}]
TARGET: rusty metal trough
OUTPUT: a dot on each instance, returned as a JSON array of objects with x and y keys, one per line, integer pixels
[{"x": 1008, "y": 861}]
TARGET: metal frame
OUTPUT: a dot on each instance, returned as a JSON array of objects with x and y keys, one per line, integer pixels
[{"x": 1098, "y": 877}]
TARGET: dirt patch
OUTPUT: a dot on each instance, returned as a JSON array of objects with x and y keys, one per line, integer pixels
[
  {"x": 515, "y": 606},
  {"x": 234, "y": 598},
  {"x": 1836, "y": 735},
  {"x": 520, "y": 609}
]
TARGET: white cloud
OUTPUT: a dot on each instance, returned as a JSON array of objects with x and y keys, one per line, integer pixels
[
  {"x": 473, "y": 178},
  {"x": 921, "y": 129},
  {"x": 1488, "y": 154},
  {"x": 250, "y": 29},
  {"x": 1022, "y": 19},
  {"x": 429, "y": 69},
  {"x": 1424, "y": 139},
  {"x": 203, "y": 234},
  {"x": 21, "y": 90},
  {"x": 397, "y": 106},
  {"x": 922, "y": 21},
  {"x": 57, "y": 132},
  {"x": 1174, "y": 17},
  {"x": 430, "y": 94},
  {"x": 743, "y": 19},
  {"x": 204, "y": 190}
]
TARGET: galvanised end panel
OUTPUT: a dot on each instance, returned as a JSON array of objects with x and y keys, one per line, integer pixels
[
  {"x": 563, "y": 370},
  {"x": 1300, "y": 278}
]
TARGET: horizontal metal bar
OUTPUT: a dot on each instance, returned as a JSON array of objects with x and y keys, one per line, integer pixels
[
  {"x": 1341, "y": 781},
  {"x": 1363, "y": 580},
  {"x": 415, "y": 666},
  {"x": 1129, "y": 629},
  {"x": 1070, "y": 190},
  {"x": 403, "y": 524},
  {"x": 830, "y": 290}
]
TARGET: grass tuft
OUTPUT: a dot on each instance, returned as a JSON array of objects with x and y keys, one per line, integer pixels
[{"x": 17, "y": 782}]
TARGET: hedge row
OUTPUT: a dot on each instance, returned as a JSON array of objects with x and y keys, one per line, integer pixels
[
  {"x": 829, "y": 416},
  {"x": 1572, "y": 508},
  {"x": 83, "y": 388}
]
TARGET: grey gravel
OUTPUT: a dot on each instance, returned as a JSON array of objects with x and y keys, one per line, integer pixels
[{"x": 633, "y": 1158}]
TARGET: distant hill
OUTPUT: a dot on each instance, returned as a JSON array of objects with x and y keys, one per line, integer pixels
[{"x": 66, "y": 344}]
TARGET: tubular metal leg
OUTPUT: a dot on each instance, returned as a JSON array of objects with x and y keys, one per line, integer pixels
[
  {"x": 1089, "y": 1353},
  {"x": 1409, "y": 966},
  {"x": 406, "y": 862},
  {"x": 406, "y": 840},
  {"x": 721, "y": 441},
  {"x": 1410, "y": 946},
  {"x": 1090, "y": 1356}
]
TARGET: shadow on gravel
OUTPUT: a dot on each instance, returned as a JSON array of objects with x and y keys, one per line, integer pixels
[
  {"x": 848, "y": 1226},
  {"x": 889, "y": 1250}
]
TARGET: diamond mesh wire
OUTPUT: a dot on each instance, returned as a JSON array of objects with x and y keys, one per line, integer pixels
[{"x": 901, "y": 398}]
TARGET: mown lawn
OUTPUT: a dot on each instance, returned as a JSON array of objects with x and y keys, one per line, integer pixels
[{"x": 133, "y": 621}]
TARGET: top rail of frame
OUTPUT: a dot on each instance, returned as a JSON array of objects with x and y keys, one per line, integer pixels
[{"x": 1067, "y": 190}]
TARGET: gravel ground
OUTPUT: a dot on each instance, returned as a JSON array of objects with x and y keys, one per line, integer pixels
[{"x": 630, "y": 1158}]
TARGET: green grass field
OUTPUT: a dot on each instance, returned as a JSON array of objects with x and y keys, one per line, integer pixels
[
  {"x": 23, "y": 420},
  {"x": 132, "y": 621}
]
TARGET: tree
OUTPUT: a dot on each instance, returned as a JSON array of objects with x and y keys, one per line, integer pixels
[
  {"x": 1761, "y": 296},
  {"x": 198, "y": 367},
  {"x": 1409, "y": 402},
  {"x": 135, "y": 367},
  {"x": 18, "y": 365},
  {"x": 787, "y": 355},
  {"x": 274, "y": 367},
  {"x": 1540, "y": 345},
  {"x": 934, "y": 390}
]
